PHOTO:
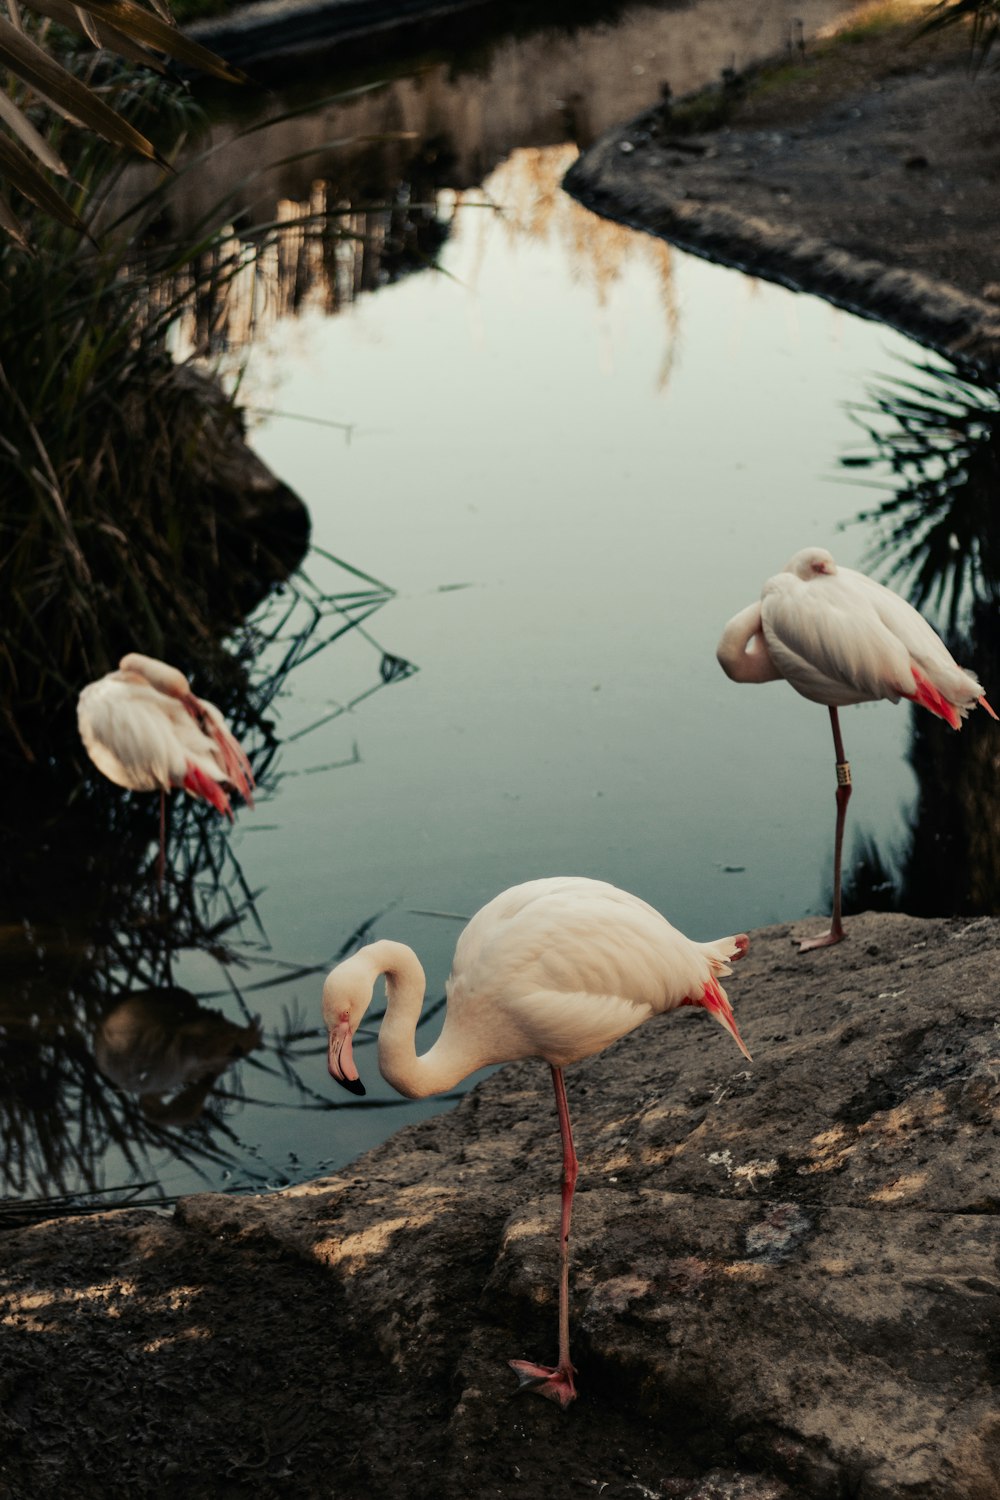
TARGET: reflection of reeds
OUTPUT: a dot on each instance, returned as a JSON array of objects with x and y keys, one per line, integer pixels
[
  {"x": 321, "y": 253},
  {"x": 326, "y": 251},
  {"x": 92, "y": 930},
  {"x": 133, "y": 517}
]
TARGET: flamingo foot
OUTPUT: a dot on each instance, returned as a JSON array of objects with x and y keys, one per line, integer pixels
[
  {"x": 825, "y": 940},
  {"x": 556, "y": 1384}
]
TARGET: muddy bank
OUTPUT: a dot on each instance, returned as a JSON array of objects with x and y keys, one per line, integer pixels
[
  {"x": 864, "y": 170},
  {"x": 785, "y": 1278}
]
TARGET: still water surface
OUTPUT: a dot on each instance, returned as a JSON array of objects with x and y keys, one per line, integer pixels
[{"x": 573, "y": 452}]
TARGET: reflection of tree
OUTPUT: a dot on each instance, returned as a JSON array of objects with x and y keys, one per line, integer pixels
[
  {"x": 531, "y": 204},
  {"x": 321, "y": 252},
  {"x": 379, "y": 222},
  {"x": 939, "y": 439},
  {"x": 940, "y": 530}
]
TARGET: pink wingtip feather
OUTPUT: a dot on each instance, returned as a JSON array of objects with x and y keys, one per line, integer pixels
[
  {"x": 237, "y": 766},
  {"x": 928, "y": 696},
  {"x": 983, "y": 704},
  {"x": 715, "y": 1001},
  {"x": 199, "y": 785}
]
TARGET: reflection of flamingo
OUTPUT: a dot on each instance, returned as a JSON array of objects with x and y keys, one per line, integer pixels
[
  {"x": 556, "y": 969},
  {"x": 163, "y": 1046},
  {"x": 839, "y": 637},
  {"x": 143, "y": 727}
]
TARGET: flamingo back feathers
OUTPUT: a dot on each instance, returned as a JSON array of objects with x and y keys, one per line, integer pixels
[
  {"x": 560, "y": 968},
  {"x": 839, "y": 637},
  {"x": 145, "y": 738}
]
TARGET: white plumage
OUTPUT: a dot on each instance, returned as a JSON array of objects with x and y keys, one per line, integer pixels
[
  {"x": 145, "y": 730},
  {"x": 840, "y": 638},
  {"x": 555, "y": 969}
]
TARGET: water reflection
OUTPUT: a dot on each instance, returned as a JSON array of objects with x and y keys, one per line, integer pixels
[
  {"x": 167, "y": 1050},
  {"x": 938, "y": 434},
  {"x": 936, "y": 439},
  {"x": 364, "y": 187}
]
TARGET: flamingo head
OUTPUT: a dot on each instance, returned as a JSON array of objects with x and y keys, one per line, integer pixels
[
  {"x": 344, "y": 1003},
  {"x": 811, "y": 562},
  {"x": 158, "y": 674}
]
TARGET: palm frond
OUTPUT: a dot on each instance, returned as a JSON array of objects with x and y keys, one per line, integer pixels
[{"x": 38, "y": 76}]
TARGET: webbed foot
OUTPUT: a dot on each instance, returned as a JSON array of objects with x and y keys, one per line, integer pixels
[{"x": 556, "y": 1384}]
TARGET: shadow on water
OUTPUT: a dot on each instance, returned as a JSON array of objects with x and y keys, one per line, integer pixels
[{"x": 935, "y": 439}]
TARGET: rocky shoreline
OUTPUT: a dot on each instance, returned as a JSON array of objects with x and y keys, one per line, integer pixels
[
  {"x": 785, "y": 1276},
  {"x": 866, "y": 173}
]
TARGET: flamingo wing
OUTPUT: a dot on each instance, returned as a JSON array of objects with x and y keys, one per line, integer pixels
[
  {"x": 926, "y": 648},
  {"x": 830, "y": 643},
  {"x": 561, "y": 968},
  {"x": 145, "y": 741}
]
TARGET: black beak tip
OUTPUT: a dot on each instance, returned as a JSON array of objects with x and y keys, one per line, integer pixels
[{"x": 352, "y": 1085}]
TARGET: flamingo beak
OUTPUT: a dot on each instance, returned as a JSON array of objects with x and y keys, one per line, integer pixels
[
  {"x": 717, "y": 1004},
  {"x": 340, "y": 1057}
]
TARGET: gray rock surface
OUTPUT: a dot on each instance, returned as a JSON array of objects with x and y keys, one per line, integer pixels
[
  {"x": 786, "y": 1277},
  {"x": 864, "y": 176}
]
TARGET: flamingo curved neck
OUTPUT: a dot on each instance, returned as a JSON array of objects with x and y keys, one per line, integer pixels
[
  {"x": 443, "y": 1064},
  {"x": 742, "y": 651}
]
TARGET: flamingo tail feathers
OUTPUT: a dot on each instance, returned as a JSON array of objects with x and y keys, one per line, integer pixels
[
  {"x": 238, "y": 772},
  {"x": 199, "y": 785},
  {"x": 983, "y": 704},
  {"x": 929, "y": 697}
]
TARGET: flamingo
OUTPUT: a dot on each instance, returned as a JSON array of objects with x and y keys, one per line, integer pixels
[
  {"x": 839, "y": 637},
  {"x": 556, "y": 969},
  {"x": 145, "y": 730}
]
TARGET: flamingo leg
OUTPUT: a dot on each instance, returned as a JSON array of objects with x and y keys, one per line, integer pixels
[
  {"x": 162, "y": 861},
  {"x": 557, "y": 1384},
  {"x": 836, "y": 932}
]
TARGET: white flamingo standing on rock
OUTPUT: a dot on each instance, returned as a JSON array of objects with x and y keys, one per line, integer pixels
[
  {"x": 839, "y": 637},
  {"x": 145, "y": 730},
  {"x": 556, "y": 969}
]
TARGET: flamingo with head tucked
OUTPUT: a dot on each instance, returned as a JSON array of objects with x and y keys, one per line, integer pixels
[
  {"x": 839, "y": 637},
  {"x": 556, "y": 969},
  {"x": 143, "y": 727}
]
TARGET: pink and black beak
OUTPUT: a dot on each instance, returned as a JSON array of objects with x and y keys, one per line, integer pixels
[{"x": 340, "y": 1057}]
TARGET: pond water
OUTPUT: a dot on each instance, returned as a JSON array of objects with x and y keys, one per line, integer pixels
[{"x": 571, "y": 452}]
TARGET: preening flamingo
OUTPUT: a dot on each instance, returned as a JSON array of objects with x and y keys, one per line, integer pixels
[
  {"x": 839, "y": 637},
  {"x": 555, "y": 969},
  {"x": 143, "y": 727}
]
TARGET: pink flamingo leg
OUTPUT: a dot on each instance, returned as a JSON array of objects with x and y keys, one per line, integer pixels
[
  {"x": 161, "y": 862},
  {"x": 836, "y": 932},
  {"x": 557, "y": 1384}
]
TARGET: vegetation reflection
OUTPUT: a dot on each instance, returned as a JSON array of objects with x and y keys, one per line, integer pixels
[{"x": 101, "y": 1054}]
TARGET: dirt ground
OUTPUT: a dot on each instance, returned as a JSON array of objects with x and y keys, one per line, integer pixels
[{"x": 865, "y": 168}]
